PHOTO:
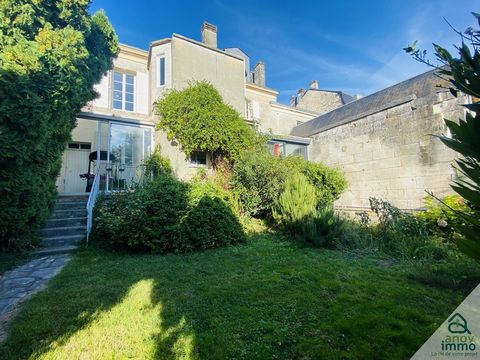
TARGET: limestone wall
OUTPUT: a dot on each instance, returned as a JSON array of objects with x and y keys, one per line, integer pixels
[
  {"x": 319, "y": 101},
  {"x": 390, "y": 154}
]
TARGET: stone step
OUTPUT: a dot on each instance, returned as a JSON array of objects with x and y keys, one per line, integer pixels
[
  {"x": 55, "y": 250},
  {"x": 63, "y": 231},
  {"x": 72, "y": 198},
  {"x": 66, "y": 222},
  {"x": 67, "y": 214},
  {"x": 70, "y": 205},
  {"x": 56, "y": 241}
]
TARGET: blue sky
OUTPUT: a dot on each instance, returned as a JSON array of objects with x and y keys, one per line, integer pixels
[{"x": 353, "y": 46}]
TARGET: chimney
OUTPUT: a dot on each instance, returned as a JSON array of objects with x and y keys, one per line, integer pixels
[
  {"x": 259, "y": 73},
  {"x": 301, "y": 91},
  {"x": 209, "y": 34},
  {"x": 314, "y": 84},
  {"x": 293, "y": 101}
]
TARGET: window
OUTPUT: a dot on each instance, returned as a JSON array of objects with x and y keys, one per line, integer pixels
[
  {"x": 283, "y": 149},
  {"x": 80, "y": 146},
  {"x": 123, "y": 91},
  {"x": 198, "y": 158},
  {"x": 161, "y": 71}
]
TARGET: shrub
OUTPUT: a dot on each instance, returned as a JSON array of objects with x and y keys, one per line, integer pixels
[
  {"x": 157, "y": 165},
  {"x": 167, "y": 215},
  {"x": 257, "y": 181},
  {"x": 328, "y": 182},
  {"x": 295, "y": 209},
  {"x": 147, "y": 218},
  {"x": 51, "y": 55},
  {"x": 442, "y": 218}
]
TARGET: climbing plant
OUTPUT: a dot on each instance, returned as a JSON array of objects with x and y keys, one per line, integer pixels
[{"x": 199, "y": 119}]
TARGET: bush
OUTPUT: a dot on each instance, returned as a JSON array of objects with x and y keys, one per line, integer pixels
[
  {"x": 295, "y": 209},
  {"x": 157, "y": 165},
  {"x": 257, "y": 180},
  {"x": 328, "y": 182},
  {"x": 442, "y": 218},
  {"x": 259, "y": 177},
  {"x": 167, "y": 215},
  {"x": 51, "y": 55}
]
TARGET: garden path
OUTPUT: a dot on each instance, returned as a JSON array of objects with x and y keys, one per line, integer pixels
[{"x": 18, "y": 284}]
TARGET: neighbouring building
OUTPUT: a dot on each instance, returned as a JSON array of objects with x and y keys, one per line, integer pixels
[
  {"x": 119, "y": 126},
  {"x": 320, "y": 100},
  {"x": 384, "y": 145}
]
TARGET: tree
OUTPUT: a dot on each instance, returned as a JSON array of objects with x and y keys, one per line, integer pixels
[
  {"x": 51, "y": 55},
  {"x": 463, "y": 73},
  {"x": 199, "y": 119}
]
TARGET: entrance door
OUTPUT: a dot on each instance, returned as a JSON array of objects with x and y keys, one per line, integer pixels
[{"x": 76, "y": 163}]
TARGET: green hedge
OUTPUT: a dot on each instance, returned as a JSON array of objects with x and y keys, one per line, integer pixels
[
  {"x": 51, "y": 55},
  {"x": 167, "y": 215}
]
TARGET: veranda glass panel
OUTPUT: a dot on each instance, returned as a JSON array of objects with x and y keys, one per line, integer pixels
[{"x": 129, "y": 146}]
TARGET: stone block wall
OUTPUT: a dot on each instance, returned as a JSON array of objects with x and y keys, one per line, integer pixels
[
  {"x": 391, "y": 154},
  {"x": 319, "y": 101}
]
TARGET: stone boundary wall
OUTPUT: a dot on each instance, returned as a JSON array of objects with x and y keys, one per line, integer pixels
[{"x": 391, "y": 154}]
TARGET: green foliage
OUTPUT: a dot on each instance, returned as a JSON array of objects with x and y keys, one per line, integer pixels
[
  {"x": 258, "y": 179},
  {"x": 295, "y": 209},
  {"x": 167, "y": 215},
  {"x": 199, "y": 119},
  {"x": 51, "y": 55},
  {"x": 442, "y": 217},
  {"x": 329, "y": 182},
  {"x": 158, "y": 165},
  {"x": 463, "y": 73}
]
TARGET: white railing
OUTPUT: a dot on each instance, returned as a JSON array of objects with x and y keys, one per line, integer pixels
[{"x": 92, "y": 198}]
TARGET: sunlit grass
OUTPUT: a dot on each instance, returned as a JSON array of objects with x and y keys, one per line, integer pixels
[{"x": 263, "y": 300}]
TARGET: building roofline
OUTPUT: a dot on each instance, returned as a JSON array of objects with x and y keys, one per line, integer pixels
[
  {"x": 291, "y": 139},
  {"x": 155, "y": 43},
  {"x": 133, "y": 50},
  {"x": 199, "y": 43},
  {"x": 264, "y": 89},
  {"x": 299, "y": 110},
  {"x": 400, "y": 93}
]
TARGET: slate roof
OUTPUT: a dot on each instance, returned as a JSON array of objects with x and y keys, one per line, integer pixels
[{"x": 416, "y": 87}]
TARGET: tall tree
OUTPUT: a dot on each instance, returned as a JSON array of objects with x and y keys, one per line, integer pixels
[
  {"x": 463, "y": 73},
  {"x": 51, "y": 55}
]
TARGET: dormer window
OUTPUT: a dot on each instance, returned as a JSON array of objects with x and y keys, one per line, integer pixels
[{"x": 123, "y": 91}]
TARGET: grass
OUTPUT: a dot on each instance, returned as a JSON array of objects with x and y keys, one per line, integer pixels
[{"x": 266, "y": 299}]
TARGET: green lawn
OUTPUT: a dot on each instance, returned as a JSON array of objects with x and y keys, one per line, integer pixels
[{"x": 263, "y": 300}]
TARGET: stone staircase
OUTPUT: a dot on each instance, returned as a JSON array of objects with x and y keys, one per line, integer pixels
[{"x": 66, "y": 227}]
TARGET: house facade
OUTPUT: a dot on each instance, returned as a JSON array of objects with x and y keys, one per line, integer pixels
[{"x": 116, "y": 132}]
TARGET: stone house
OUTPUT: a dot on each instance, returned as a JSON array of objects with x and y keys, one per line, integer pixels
[
  {"x": 384, "y": 145},
  {"x": 119, "y": 126},
  {"x": 381, "y": 142},
  {"x": 320, "y": 100}
]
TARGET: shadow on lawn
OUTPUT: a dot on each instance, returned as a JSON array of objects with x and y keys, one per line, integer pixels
[{"x": 260, "y": 300}]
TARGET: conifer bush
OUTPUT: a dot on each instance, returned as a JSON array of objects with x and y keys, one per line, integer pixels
[{"x": 51, "y": 55}]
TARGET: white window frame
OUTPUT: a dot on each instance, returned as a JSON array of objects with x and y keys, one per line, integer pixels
[
  {"x": 124, "y": 86},
  {"x": 159, "y": 61}
]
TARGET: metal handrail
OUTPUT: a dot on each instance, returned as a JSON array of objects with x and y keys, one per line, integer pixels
[{"x": 92, "y": 198}]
